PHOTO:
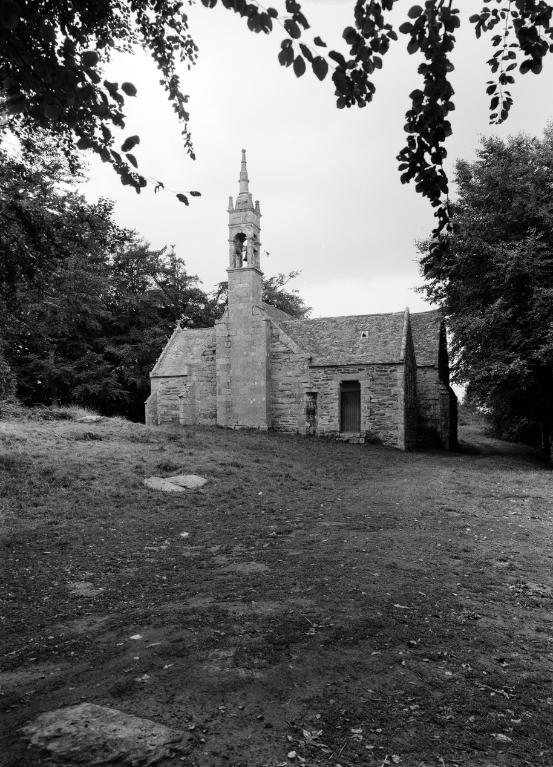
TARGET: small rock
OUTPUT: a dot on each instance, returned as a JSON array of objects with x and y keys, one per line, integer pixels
[
  {"x": 502, "y": 738},
  {"x": 90, "y": 419},
  {"x": 91, "y": 734},
  {"x": 291, "y": 755},
  {"x": 84, "y": 589}
]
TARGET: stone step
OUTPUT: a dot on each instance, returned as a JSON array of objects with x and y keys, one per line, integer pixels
[{"x": 353, "y": 438}]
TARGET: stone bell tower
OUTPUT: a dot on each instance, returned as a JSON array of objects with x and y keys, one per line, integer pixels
[
  {"x": 244, "y": 225},
  {"x": 243, "y": 332}
]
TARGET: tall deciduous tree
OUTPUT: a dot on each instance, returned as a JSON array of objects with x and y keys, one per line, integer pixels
[
  {"x": 149, "y": 292},
  {"x": 496, "y": 282},
  {"x": 86, "y": 306},
  {"x": 52, "y": 53}
]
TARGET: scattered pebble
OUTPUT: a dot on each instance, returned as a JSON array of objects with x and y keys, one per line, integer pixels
[{"x": 502, "y": 738}]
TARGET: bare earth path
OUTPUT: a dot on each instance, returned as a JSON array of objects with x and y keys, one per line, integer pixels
[{"x": 341, "y": 604}]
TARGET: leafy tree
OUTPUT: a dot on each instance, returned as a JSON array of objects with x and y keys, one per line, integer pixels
[
  {"x": 288, "y": 301},
  {"x": 52, "y": 255},
  {"x": 54, "y": 248},
  {"x": 52, "y": 53},
  {"x": 496, "y": 283},
  {"x": 150, "y": 291},
  {"x": 51, "y": 57},
  {"x": 86, "y": 305}
]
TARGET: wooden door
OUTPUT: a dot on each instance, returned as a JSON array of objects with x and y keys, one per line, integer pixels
[{"x": 350, "y": 406}]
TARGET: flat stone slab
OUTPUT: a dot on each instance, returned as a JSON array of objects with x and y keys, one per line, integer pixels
[
  {"x": 91, "y": 734},
  {"x": 160, "y": 483},
  {"x": 176, "y": 484},
  {"x": 190, "y": 481}
]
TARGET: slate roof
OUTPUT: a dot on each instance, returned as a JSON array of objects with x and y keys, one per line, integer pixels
[
  {"x": 183, "y": 348},
  {"x": 327, "y": 340},
  {"x": 426, "y": 330},
  {"x": 340, "y": 340}
]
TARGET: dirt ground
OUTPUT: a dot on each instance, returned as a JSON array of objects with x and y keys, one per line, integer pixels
[{"x": 331, "y": 604}]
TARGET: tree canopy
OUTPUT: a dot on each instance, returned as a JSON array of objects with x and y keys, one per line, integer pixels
[
  {"x": 495, "y": 283},
  {"x": 52, "y": 55}
]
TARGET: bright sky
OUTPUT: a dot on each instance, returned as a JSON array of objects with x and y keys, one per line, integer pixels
[{"x": 332, "y": 202}]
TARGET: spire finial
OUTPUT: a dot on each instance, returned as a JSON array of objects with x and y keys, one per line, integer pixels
[{"x": 244, "y": 180}]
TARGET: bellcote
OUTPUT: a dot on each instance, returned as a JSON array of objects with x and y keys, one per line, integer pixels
[{"x": 244, "y": 225}]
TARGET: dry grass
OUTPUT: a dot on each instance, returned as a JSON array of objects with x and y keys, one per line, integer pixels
[
  {"x": 350, "y": 603},
  {"x": 12, "y": 410}
]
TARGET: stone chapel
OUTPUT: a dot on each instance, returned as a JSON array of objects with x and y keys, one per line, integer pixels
[{"x": 371, "y": 377}]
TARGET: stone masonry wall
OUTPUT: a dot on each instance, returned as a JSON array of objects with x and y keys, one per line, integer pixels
[
  {"x": 382, "y": 412},
  {"x": 162, "y": 406},
  {"x": 203, "y": 405},
  {"x": 222, "y": 334},
  {"x": 289, "y": 382},
  {"x": 433, "y": 409},
  {"x": 190, "y": 397},
  {"x": 293, "y": 380}
]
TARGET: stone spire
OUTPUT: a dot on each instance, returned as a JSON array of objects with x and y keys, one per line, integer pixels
[
  {"x": 244, "y": 180},
  {"x": 244, "y": 200}
]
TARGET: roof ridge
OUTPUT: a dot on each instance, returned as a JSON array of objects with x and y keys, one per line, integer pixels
[{"x": 348, "y": 316}]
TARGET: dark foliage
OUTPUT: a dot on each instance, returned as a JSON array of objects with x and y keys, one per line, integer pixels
[
  {"x": 51, "y": 60},
  {"x": 52, "y": 53},
  {"x": 496, "y": 283}
]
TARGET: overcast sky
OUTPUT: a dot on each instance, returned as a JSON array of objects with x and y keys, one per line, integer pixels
[{"x": 332, "y": 202}]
